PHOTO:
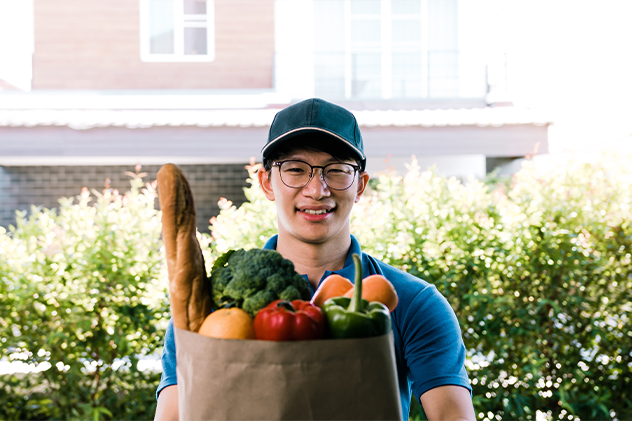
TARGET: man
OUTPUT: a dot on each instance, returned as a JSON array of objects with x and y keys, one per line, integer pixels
[{"x": 314, "y": 171}]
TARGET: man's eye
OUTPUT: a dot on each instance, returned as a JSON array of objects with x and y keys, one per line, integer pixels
[
  {"x": 339, "y": 170},
  {"x": 294, "y": 170}
]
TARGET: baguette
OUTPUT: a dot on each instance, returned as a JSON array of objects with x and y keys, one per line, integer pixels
[{"x": 189, "y": 290}]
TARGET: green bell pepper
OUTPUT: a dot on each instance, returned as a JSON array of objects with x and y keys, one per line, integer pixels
[{"x": 355, "y": 317}]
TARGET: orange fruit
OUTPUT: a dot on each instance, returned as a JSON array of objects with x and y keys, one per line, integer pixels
[
  {"x": 378, "y": 288},
  {"x": 228, "y": 323},
  {"x": 333, "y": 286}
]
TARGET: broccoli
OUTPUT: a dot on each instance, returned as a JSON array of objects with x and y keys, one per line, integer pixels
[{"x": 252, "y": 279}]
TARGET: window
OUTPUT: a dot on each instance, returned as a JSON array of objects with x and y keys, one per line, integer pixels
[
  {"x": 385, "y": 49},
  {"x": 365, "y": 48},
  {"x": 177, "y": 30},
  {"x": 408, "y": 62}
]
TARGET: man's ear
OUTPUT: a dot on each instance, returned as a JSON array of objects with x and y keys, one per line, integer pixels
[
  {"x": 363, "y": 181},
  {"x": 265, "y": 183}
]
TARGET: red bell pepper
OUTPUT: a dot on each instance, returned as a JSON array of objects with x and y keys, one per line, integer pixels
[{"x": 283, "y": 320}]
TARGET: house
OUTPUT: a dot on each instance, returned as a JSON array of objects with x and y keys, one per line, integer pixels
[{"x": 197, "y": 82}]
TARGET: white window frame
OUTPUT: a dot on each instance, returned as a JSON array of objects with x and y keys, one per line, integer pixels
[
  {"x": 181, "y": 21},
  {"x": 403, "y": 46},
  {"x": 387, "y": 46},
  {"x": 359, "y": 47}
]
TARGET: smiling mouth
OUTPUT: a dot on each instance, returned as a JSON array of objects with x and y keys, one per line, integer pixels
[{"x": 316, "y": 211}]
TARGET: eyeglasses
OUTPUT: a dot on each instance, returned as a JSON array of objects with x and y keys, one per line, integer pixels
[{"x": 297, "y": 174}]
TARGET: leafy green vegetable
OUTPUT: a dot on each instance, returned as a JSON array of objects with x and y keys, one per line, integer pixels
[{"x": 252, "y": 279}]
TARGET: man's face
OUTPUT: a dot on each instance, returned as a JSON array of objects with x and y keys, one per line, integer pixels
[{"x": 315, "y": 213}]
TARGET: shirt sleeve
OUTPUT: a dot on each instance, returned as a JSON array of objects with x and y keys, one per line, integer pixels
[
  {"x": 433, "y": 346},
  {"x": 168, "y": 359}
]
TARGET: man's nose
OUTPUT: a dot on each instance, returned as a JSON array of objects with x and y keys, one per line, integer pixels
[{"x": 317, "y": 185}]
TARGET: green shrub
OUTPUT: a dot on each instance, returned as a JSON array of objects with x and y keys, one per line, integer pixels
[
  {"x": 539, "y": 277},
  {"x": 82, "y": 300}
]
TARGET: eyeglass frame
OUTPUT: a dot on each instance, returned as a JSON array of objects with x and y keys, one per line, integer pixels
[{"x": 356, "y": 169}]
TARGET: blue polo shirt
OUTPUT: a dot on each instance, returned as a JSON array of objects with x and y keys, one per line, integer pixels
[{"x": 429, "y": 350}]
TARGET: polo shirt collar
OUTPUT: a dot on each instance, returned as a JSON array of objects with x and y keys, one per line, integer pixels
[{"x": 348, "y": 271}]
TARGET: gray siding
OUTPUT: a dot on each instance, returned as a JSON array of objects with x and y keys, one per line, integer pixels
[{"x": 212, "y": 145}]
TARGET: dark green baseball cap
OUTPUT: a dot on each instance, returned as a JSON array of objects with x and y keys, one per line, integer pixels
[{"x": 316, "y": 115}]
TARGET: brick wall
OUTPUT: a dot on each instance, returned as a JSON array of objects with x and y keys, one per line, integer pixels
[
  {"x": 90, "y": 44},
  {"x": 21, "y": 187}
]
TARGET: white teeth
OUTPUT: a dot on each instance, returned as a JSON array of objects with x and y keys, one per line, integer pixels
[{"x": 315, "y": 212}]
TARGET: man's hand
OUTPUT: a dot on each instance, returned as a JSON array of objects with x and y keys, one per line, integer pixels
[
  {"x": 167, "y": 408},
  {"x": 448, "y": 403}
]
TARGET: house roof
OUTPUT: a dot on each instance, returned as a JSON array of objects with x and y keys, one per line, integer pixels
[{"x": 81, "y": 119}]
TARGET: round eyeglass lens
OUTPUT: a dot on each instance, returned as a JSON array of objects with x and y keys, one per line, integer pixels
[
  {"x": 297, "y": 174},
  {"x": 339, "y": 176}
]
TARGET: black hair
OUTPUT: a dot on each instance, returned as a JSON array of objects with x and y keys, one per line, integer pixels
[{"x": 315, "y": 142}]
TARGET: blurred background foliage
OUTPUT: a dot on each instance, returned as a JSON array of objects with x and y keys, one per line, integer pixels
[
  {"x": 83, "y": 301},
  {"x": 537, "y": 268}
]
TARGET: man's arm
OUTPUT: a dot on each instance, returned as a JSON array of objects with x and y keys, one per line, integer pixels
[
  {"x": 167, "y": 408},
  {"x": 448, "y": 403}
]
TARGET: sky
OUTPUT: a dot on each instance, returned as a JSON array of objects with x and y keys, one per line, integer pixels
[
  {"x": 573, "y": 60},
  {"x": 16, "y": 42}
]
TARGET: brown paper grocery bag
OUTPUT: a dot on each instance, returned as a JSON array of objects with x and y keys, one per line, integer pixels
[{"x": 223, "y": 379}]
